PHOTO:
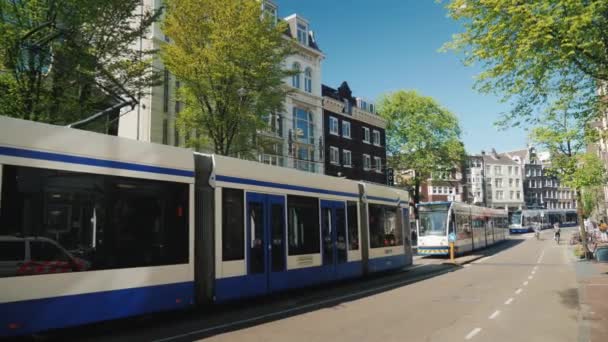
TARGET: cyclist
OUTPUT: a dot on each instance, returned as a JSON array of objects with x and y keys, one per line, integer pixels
[{"x": 556, "y": 230}]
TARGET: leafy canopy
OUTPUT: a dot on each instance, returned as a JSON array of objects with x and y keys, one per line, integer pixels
[
  {"x": 63, "y": 60},
  {"x": 535, "y": 52},
  {"x": 421, "y": 134},
  {"x": 229, "y": 61}
]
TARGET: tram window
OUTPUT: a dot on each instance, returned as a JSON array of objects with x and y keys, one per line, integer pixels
[
  {"x": 353, "y": 226},
  {"x": 303, "y": 228},
  {"x": 233, "y": 240},
  {"x": 383, "y": 230},
  {"x": 96, "y": 221}
]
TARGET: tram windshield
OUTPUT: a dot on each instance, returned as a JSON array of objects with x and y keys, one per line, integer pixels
[
  {"x": 433, "y": 220},
  {"x": 516, "y": 218}
]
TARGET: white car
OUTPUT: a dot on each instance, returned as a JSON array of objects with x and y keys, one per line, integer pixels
[{"x": 35, "y": 255}]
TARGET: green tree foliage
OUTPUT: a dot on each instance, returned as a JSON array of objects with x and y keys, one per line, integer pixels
[
  {"x": 229, "y": 61},
  {"x": 535, "y": 52},
  {"x": 421, "y": 135},
  {"x": 63, "y": 60}
]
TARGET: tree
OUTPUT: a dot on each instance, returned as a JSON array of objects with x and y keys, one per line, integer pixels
[
  {"x": 563, "y": 132},
  {"x": 421, "y": 136},
  {"x": 61, "y": 60},
  {"x": 547, "y": 57},
  {"x": 535, "y": 52},
  {"x": 228, "y": 57}
]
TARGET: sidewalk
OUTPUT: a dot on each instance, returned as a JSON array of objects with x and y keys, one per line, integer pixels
[{"x": 593, "y": 289}]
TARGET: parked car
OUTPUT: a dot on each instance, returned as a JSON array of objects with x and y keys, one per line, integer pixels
[{"x": 36, "y": 255}]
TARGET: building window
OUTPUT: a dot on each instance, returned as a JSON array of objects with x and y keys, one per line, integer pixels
[
  {"x": 295, "y": 79},
  {"x": 517, "y": 182},
  {"x": 347, "y": 158},
  {"x": 488, "y": 170},
  {"x": 510, "y": 182},
  {"x": 303, "y": 126},
  {"x": 511, "y": 194},
  {"x": 378, "y": 163},
  {"x": 499, "y": 195},
  {"x": 366, "y": 135},
  {"x": 303, "y": 225},
  {"x": 308, "y": 80},
  {"x": 302, "y": 34},
  {"x": 333, "y": 126},
  {"x": 498, "y": 182},
  {"x": 510, "y": 168},
  {"x": 367, "y": 161},
  {"x": 166, "y": 80},
  {"x": 497, "y": 170},
  {"x": 376, "y": 138},
  {"x": 346, "y": 129},
  {"x": 270, "y": 12},
  {"x": 517, "y": 170},
  {"x": 165, "y": 131},
  {"x": 334, "y": 155}
]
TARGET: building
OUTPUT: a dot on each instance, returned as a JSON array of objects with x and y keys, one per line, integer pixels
[
  {"x": 293, "y": 137},
  {"x": 600, "y": 148},
  {"x": 541, "y": 190},
  {"x": 503, "y": 182},
  {"x": 474, "y": 182},
  {"x": 354, "y": 136},
  {"x": 446, "y": 185}
]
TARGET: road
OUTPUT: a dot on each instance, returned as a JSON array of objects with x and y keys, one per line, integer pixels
[{"x": 525, "y": 292}]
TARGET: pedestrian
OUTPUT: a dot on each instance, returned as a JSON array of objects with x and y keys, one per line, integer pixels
[{"x": 604, "y": 230}]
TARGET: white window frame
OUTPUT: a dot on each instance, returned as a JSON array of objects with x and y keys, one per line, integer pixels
[
  {"x": 295, "y": 79},
  {"x": 302, "y": 33},
  {"x": 346, "y": 124},
  {"x": 334, "y": 155},
  {"x": 378, "y": 164},
  {"x": 348, "y": 162},
  {"x": 376, "y": 133},
  {"x": 308, "y": 80},
  {"x": 367, "y": 162},
  {"x": 333, "y": 126},
  {"x": 366, "y": 135}
]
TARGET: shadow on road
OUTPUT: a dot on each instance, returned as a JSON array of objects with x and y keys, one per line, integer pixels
[{"x": 217, "y": 319}]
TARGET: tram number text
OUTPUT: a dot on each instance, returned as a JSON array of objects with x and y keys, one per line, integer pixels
[{"x": 305, "y": 260}]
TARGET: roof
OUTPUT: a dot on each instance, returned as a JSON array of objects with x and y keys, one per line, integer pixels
[
  {"x": 312, "y": 42},
  {"x": 499, "y": 159}
]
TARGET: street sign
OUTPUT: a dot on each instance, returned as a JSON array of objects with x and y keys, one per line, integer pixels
[
  {"x": 390, "y": 177},
  {"x": 452, "y": 237}
]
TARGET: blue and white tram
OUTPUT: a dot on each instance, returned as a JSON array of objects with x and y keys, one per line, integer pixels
[
  {"x": 95, "y": 228},
  {"x": 524, "y": 221},
  {"x": 474, "y": 227}
]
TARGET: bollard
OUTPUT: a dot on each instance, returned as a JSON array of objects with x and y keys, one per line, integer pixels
[{"x": 452, "y": 251}]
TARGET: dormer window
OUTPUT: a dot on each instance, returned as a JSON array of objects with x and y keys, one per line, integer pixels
[
  {"x": 270, "y": 11},
  {"x": 302, "y": 33}
]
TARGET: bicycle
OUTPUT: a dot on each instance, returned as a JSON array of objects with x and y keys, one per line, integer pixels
[{"x": 557, "y": 237}]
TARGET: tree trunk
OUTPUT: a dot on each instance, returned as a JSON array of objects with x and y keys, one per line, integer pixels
[
  {"x": 581, "y": 220},
  {"x": 416, "y": 196}
]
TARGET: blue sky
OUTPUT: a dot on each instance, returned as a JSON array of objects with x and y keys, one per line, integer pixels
[{"x": 385, "y": 45}]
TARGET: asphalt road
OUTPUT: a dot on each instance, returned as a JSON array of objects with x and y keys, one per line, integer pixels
[{"x": 526, "y": 291}]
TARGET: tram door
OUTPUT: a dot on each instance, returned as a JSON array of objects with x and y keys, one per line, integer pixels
[
  {"x": 265, "y": 240},
  {"x": 333, "y": 232}
]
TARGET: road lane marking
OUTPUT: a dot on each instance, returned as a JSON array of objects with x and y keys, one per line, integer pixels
[
  {"x": 305, "y": 306},
  {"x": 533, "y": 271},
  {"x": 495, "y": 314},
  {"x": 526, "y": 283},
  {"x": 530, "y": 277},
  {"x": 518, "y": 291},
  {"x": 509, "y": 301},
  {"x": 535, "y": 268},
  {"x": 473, "y": 333}
]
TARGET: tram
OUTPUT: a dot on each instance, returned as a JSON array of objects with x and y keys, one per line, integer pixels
[
  {"x": 524, "y": 221},
  {"x": 473, "y": 227},
  {"x": 95, "y": 228}
]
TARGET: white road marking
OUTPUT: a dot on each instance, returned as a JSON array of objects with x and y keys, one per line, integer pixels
[
  {"x": 301, "y": 307},
  {"x": 518, "y": 291},
  {"x": 535, "y": 268},
  {"x": 526, "y": 283},
  {"x": 473, "y": 333},
  {"x": 533, "y": 271},
  {"x": 467, "y": 265},
  {"x": 509, "y": 301},
  {"x": 495, "y": 314},
  {"x": 530, "y": 277}
]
